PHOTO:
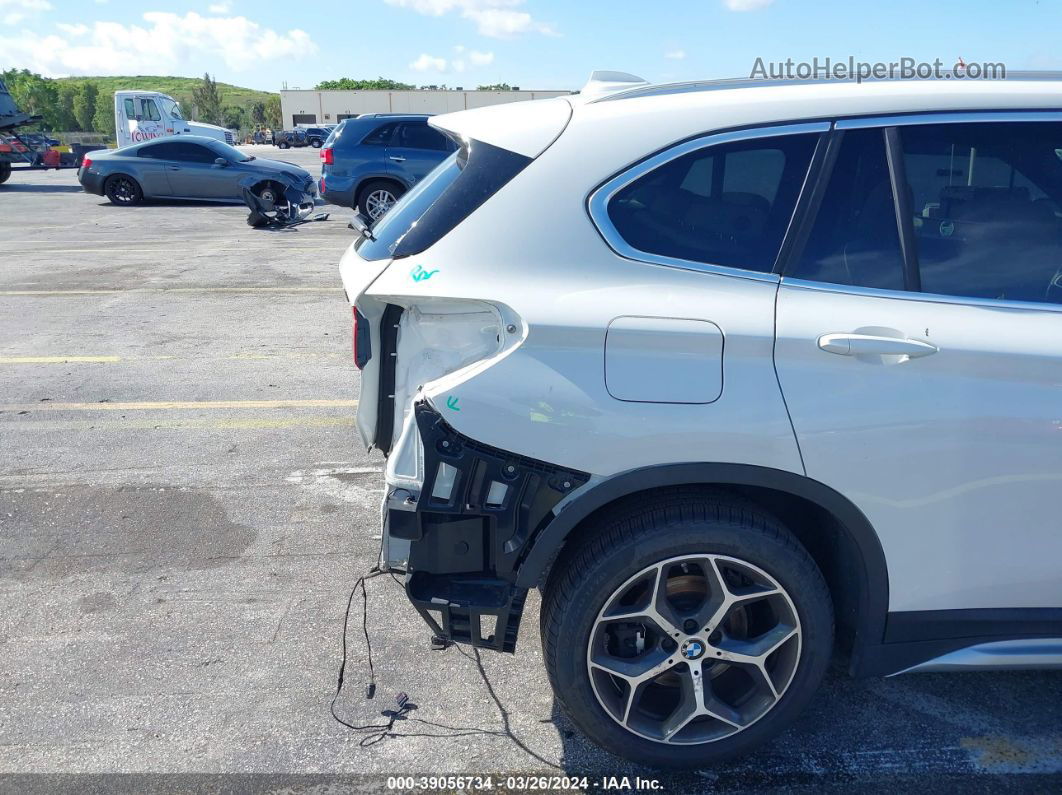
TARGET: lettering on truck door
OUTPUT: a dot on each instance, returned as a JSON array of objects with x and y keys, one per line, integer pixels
[{"x": 149, "y": 122}]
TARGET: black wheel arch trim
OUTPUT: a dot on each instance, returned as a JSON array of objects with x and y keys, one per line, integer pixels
[
  {"x": 377, "y": 177},
  {"x": 874, "y": 579}
]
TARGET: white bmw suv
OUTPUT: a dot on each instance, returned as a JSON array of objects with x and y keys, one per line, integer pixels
[{"x": 744, "y": 376}]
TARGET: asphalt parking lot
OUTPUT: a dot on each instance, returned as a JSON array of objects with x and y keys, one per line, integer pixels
[{"x": 185, "y": 506}]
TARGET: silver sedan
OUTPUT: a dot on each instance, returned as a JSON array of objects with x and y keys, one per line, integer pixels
[{"x": 186, "y": 167}]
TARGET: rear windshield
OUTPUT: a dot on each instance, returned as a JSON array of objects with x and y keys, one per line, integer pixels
[{"x": 442, "y": 200}]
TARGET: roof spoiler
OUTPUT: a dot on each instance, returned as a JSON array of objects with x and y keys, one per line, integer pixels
[{"x": 605, "y": 82}]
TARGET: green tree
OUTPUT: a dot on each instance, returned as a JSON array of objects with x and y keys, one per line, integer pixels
[
  {"x": 258, "y": 114},
  {"x": 66, "y": 119},
  {"x": 35, "y": 95},
  {"x": 350, "y": 84},
  {"x": 85, "y": 104},
  {"x": 207, "y": 100},
  {"x": 103, "y": 118},
  {"x": 235, "y": 117},
  {"x": 274, "y": 117},
  {"x": 496, "y": 87}
]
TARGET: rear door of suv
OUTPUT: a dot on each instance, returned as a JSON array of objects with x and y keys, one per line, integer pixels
[
  {"x": 919, "y": 350},
  {"x": 415, "y": 149}
]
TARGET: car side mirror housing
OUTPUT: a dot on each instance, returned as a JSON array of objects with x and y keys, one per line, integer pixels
[{"x": 220, "y": 162}]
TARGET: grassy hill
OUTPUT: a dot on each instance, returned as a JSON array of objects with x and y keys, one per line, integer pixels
[{"x": 180, "y": 88}]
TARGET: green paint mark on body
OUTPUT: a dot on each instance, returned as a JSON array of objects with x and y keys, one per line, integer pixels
[
  {"x": 451, "y": 403},
  {"x": 419, "y": 274}
]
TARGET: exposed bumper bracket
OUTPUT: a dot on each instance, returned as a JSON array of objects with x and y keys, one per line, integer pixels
[{"x": 478, "y": 509}]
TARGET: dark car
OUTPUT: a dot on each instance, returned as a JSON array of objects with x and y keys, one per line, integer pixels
[
  {"x": 370, "y": 161},
  {"x": 286, "y": 139},
  {"x": 186, "y": 167},
  {"x": 316, "y": 136}
]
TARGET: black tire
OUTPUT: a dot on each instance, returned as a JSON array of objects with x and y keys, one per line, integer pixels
[
  {"x": 123, "y": 190},
  {"x": 365, "y": 201},
  {"x": 316, "y": 143},
  {"x": 5, "y": 172},
  {"x": 682, "y": 521},
  {"x": 284, "y": 145}
]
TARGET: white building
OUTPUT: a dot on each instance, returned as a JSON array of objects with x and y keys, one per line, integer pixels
[{"x": 329, "y": 107}]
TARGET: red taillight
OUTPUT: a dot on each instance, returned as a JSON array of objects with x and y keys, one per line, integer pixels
[
  {"x": 360, "y": 341},
  {"x": 86, "y": 162},
  {"x": 327, "y": 157}
]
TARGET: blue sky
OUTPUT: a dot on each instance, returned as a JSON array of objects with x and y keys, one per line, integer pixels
[{"x": 530, "y": 43}]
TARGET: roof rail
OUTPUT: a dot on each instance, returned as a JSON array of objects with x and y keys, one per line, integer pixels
[{"x": 760, "y": 82}]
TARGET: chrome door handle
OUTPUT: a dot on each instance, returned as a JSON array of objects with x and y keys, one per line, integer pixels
[
  {"x": 857, "y": 344},
  {"x": 398, "y": 159}
]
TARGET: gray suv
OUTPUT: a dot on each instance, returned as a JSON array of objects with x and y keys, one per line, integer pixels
[{"x": 370, "y": 161}]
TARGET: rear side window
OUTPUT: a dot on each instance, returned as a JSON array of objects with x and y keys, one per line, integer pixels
[
  {"x": 183, "y": 152},
  {"x": 443, "y": 199},
  {"x": 854, "y": 239},
  {"x": 418, "y": 135},
  {"x": 987, "y": 207},
  {"x": 728, "y": 204},
  {"x": 130, "y": 111},
  {"x": 381, "y": 136}
]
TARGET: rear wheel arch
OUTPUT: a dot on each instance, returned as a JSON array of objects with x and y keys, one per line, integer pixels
[
  {"x": 834, "y": 531},
  {"x": 364, "y": 182},
  {"x": 110, "y": 187}
]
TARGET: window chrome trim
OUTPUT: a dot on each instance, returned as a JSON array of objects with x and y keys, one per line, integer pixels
[
  {"x": 929, "y": 298},
  {"x": 947, "y": 117},
  {"x": 599, "y": 198}
]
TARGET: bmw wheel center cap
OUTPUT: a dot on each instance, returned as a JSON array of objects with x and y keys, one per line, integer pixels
[{"x": 692, "y": 649}]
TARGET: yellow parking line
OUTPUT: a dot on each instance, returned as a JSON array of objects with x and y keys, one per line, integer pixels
[
  {"x": 176, "y": 290},
  {"x": 235, "y": 357},
  {"x": 57, "y": 359},
  {"x": 179, "y": 405},
  {"x": 190, "y": 424},
  {"x": 105, "y": 250}
]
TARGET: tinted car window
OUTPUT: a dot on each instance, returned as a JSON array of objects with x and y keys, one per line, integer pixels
[
  {"x": 151, "y": 111},
  {"x": 854, "y": 239},
  {"x": 418, "y": 135},
  {"x": 163, "y": 151},
  {"x": 194, "y": 153},
  {"x": 987, "y": 206},
  {"x": 724, "y": 205},
  {"x": 381, "y": 136},
  {"x": 442, "y": 200},
  {"x": 230, "y": 153}
]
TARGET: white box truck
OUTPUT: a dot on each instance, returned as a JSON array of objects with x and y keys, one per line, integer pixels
[{"x": 142, "y": 115}]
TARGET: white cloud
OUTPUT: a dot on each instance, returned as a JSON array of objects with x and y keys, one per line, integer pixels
[
  {"x": 747, "y": 5},
  {"x": 14, "y": 11},
  {"x": 74, "y": 30},
  {"x": 675, "y": 55},
  {"x": 223, "y": 7},
  {"x": 460, "y": 62},
  {"x": 166, "y": 43},
  {"x": 428, "y": 63},
  {"x": 496, "y": 18}
]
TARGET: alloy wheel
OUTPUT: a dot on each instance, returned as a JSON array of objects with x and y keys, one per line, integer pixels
[
  {"x": 694, "y": 649},
  {"x": 379, "y": 202},
  {"x": 123, "y": 190}
]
